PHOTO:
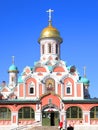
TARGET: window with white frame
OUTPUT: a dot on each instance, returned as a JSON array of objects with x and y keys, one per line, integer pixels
[
  {"x": 31, "y": 88},
  {"x": 68, "y": 88}
]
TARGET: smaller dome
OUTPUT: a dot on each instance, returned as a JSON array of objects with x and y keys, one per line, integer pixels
[
  {"x": 13, "y": 68},
  {"x": 85, "y": 81},
  {"x": 50, "y": 32}
]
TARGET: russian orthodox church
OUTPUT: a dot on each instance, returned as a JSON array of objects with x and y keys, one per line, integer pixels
[{"x": 48, "y": 92}]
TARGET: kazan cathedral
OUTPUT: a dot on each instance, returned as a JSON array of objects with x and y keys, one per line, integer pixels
[{"x": 48, "y": 92}]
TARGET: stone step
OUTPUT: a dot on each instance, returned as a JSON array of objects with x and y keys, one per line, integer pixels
[{"x": 44, "y": 128}]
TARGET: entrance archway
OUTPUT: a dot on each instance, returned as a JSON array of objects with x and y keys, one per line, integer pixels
[{"x": 50, "y": 116}]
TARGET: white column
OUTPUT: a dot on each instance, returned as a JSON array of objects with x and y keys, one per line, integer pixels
[
  {"x": 38, "y": 114},
  {"x": 43, "y": 88},
  {"x": 24, "y": 90},
  {"x": 37, "y": 91},
  {"x": 56, "y": 88},
  {"x": 62, "y": 90},
  {"x": 63, "y": 119}
]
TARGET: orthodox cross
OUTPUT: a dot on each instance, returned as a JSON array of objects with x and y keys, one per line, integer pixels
[
  {"x": 84, "y": 71},
  {"x": 50, "y": 15},
  {"x": 13, "y": 59}
]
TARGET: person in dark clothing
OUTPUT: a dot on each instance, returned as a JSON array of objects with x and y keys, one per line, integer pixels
[{"x": 70, "y": 127}]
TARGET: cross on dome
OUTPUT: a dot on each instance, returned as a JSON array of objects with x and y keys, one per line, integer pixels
[
  {"x": 84, "y": 71},
  {"x": 13, "y": 59},
  {"x": 50, "y": 15}
]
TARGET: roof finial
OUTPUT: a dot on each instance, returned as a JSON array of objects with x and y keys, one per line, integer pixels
[
  {"x": 50, "y": 16},
  {"x": 13, "y": 59},
  {"x": 84, "y": 71}
]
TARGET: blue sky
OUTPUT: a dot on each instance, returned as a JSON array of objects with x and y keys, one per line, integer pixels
[{"x": 21, "y": 22}]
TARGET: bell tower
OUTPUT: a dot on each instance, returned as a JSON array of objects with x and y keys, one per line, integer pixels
[
  {"x": 13, "y": 71},
  {"x": 49, "y": 41}
]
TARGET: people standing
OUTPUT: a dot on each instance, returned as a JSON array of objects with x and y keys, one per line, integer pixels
[
  {"x": 60, "y": 125},
  {"x": 70, "y": 127}
]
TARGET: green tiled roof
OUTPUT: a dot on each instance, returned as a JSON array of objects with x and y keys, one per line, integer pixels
[
  {"x": 84, "y": 80},
  {"x": 18, "y": 101},
  {"x": 13, "y": 68},
  {"x": 20, "y": 80},
  {"x": 50, "y": 68},
  {"x": 91, "y": 101}
]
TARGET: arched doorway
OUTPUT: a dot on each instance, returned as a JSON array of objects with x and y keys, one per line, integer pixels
[{"x": 50, "y": 116}]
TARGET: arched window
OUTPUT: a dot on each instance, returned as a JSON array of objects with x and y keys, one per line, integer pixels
[
  {"x": 32, "y": 88},
  {"x": 94, "y": 112},
  {"x": 42, "y": 49},
  {"x": 49, "y": 48},
  {"x": 74, "y": 112},
  {"x": 5, "y": 113},
  {"x": 68, "y": 88},
  {"x": 26, "y": 113}
]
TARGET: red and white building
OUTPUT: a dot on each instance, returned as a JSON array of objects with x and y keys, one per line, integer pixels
[{"x": 50, "y": 91}]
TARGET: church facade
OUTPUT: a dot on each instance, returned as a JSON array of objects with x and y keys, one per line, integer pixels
[{"x": 48, "y": 92}]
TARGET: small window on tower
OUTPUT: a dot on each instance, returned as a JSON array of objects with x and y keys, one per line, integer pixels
[
  {"x": 31, "y": 90},
  {"x": 12, "y": 78},
  {"x": 49, "y": 48},
  {"x": 56, "y": 48},
  {"x": 68, "y": 88},
  {"x": 42, "y": 49}
]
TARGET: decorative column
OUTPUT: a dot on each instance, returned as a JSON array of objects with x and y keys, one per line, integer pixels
[
  {"x": 86, "y": 117},
  {"x": 62, "y": 90},
  {"x": 63, "y": 119},
  {"x": 14, "y": 118},
  {"x": 38, "y": 114},
  {"x": 63, "y": 116}
]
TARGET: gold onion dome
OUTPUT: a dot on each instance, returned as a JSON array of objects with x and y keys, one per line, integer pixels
[{"x": 50, "y": 32}]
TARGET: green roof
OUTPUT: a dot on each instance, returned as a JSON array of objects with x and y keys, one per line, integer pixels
[
  {"x": 20, "y": 80},
  {"x": 18, "y": 101},
  {"x": 68, "y": 67},
  {"x": 84, "y": 101},
  {"x": 84, "y": 80},
  {"x": 50, "y": 68},
  {"x": 13, "y": 68}
]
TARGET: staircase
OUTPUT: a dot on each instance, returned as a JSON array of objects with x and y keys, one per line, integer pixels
[{"x": 44, "y": 128}]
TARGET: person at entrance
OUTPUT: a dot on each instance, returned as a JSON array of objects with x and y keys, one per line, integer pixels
[
  {"x": 60, "y": 125},
  {"x": 70, "y": 127}
]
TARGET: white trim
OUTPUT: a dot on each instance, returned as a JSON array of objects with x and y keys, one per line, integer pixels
[{"x": 37, "y": 89}]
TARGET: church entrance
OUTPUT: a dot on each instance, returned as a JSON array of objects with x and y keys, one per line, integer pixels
[
  {"x": 50, "y": 110},
  {"x": 50, "y": 118}
]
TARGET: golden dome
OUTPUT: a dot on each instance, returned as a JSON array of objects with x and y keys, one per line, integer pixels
[{"x": 50, "y": 32}]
